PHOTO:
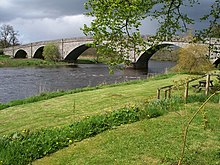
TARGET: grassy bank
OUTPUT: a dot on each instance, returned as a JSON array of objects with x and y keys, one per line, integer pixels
[
  {"x": 155, "y": 141},
  {"x": 23, "y": 147},
  {"x": 6, "y": 61},
  {"x": 45, "y": 126},
  {"x": 74, "y": 106}
]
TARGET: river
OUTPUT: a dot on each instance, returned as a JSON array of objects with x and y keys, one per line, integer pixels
[{"x": 19, "y": 83}]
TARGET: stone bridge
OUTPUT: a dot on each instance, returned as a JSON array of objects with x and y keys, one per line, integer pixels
[{"x": 70, "y": 49}]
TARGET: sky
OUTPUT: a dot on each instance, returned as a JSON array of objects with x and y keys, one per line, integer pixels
[{"x": 39, "y": 20}]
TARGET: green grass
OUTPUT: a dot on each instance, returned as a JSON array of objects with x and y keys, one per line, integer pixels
[
  {"x": 155, "y": 141},
  {"x": 24, "y": 147},
  {"x": 6, "y": 61},
  {"x": 73, "y": 107}
]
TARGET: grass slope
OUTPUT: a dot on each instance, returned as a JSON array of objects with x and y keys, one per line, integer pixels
[
  {"x": 68, "y": 108},
  {"x": 154, "y": 141}
]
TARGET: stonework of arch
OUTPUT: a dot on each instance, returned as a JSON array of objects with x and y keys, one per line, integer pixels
[
  {"x": 217, "y": 62},
  {"x": 39, "y": 53},
  {"x": 75, "y": 53},
  {"x": 142, "y": 61},
  {"x": 20, "y": 54}
]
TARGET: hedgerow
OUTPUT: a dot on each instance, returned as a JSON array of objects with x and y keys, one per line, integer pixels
[{"x": 26, "y": 146}]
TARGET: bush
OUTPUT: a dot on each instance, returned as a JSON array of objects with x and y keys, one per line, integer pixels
[
  {"x": 51, "y": 52},
  {"x": 193, "y": 59}
]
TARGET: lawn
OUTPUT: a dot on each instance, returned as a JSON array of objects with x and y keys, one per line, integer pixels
[
  {"x": 154, "y": 141},
  {"x": 69, "y": 108}
]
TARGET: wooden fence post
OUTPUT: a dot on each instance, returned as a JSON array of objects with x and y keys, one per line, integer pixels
[
  {"x": 165, "y": 94},
  {"x": 207, "y": 84},
  {"x": 186, "y": 90},
  {"x": 158, "y": 93},
  {"x": 169, "y": 93}
]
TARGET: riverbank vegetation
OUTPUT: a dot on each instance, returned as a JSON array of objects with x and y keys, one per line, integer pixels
[
  {"x": 43, "y": 127},
  {"x": 6, "y": 61}
]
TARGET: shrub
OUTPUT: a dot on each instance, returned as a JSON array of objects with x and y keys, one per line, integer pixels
[
  {"x": 51, "y": 52},
  {"x": 192, "y": 59}
]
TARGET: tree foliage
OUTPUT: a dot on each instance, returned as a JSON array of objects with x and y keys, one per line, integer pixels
[
  {"x": 193, "y": 59},
  {"x": 215, "y": 31},
  {"x": 116, "y": 24},
  {"x": 8, "y": 36},
  {"x": 51, "y": 52}
]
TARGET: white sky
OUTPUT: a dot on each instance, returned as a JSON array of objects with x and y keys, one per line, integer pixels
[{"x": 38, "y": 20}]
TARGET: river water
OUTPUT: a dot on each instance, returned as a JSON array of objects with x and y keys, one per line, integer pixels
[{"x": 19, "y": 83}]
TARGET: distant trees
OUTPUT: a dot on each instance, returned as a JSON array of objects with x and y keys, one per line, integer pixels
[
  {"x": 51, "y": 52},
  {"x": 8, "y": 36}
]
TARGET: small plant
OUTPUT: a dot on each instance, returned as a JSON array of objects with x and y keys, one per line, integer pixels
[{"x": 186, "y": 129}]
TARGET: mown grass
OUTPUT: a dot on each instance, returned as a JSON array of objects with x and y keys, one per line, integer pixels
[
  {"x": 65, "y": 109},
  {"x": 24, "y": 147},
  {"x": 61, "y": 111},
  {"x": 155, "y": 141}
]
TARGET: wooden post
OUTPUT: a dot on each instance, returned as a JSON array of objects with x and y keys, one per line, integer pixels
[
  {"x": 186, "y": 90},
  {"x": 158, "y": 93},
  {"x": 165, "y": 94},
  {"x": 169, "y": 93},
  {"x": 207, "y": 85}
]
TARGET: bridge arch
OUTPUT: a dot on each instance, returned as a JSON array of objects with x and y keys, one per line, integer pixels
[
  {"x": 142, "y": 62},
  {"x": 217, "y": 62},
  {"x": 75, "y": 53},
  {"x": 39, "y": 53},
  {"x": 20, "y": 54}
]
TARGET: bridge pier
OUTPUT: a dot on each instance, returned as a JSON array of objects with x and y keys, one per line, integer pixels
[{"x": 140, "y": 65}]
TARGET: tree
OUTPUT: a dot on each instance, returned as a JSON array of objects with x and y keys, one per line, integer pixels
[
  {"x": 215, "y": 31},
  {"x": 193, "y": 59},
  {"x": 51, "y": 52},
  {"x": 8, "y": 36},
  {"x": 116, "y": 24}
]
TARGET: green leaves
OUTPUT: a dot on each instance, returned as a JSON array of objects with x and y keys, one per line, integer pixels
[
  {"x": 116, "y": 25},
  {"x": 51, "y": 52}
]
